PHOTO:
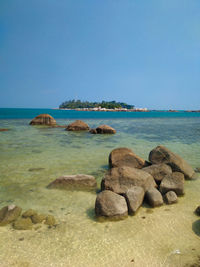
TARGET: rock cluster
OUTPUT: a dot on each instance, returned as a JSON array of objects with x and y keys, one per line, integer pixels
[
  {"x": 25, "y": 221},
  {"x": 132, "y": 180}
]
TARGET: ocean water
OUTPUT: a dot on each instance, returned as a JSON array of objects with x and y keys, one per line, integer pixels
[{"x": 164, "y": 236}]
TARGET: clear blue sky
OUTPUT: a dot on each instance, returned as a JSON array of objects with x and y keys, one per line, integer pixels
[{"x": 143, "y": 52}]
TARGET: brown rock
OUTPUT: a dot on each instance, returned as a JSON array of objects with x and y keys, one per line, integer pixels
[
  {"x": 119, "y": 180},
  {"x": 38, "y": 218},
  {"x": 134, "y": 198},
  {"x": 125, "y": 157},
  {"x": 29, "y": 213},
  {"x": 4, "y": 130},
  {"x": 50, "y": 220},
  {"x": 109, "y": 204},
  {"x": 78, "y": 125},
  {"x": 154, "y": 197},
  {"x": 9, "y": 214},
  {"x": 103, "y": 129},
  {"x": 158, "y": 171},
  {"x": 76, "y": 182},
  {"x": 161, "y": 154},
  {"x": 173, "y": 182},
  {"x": 23, "y": 224},
  {"x": 171, "y": 197},
  {"x": 43, "y": 119}
]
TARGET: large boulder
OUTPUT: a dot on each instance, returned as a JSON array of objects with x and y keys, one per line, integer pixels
[
  {"x": 77, "y": 125},
  {"x": 161, "y": 154},
  {"x": 119, "y": 180},
  {"x": 158, "y": 171},
  {"x": 103, "y": 129},
  {"x": 9, "y": 214},
  {"x": 111, "y": 205},
  {"x": 171, "y": 197},
  {"x": 173, "y": 182},
  {"x": 43, "y": 119},
  {"x": 134, "y": 198},
  {"x": 154, "y": 197},
  {"x": 76, "y": 182},
  {"x": 125, "y": 157}
]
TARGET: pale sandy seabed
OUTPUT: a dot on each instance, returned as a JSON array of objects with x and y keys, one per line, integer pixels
[{"x": 165, "y": 236}]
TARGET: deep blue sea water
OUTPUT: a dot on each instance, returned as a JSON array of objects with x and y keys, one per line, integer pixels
[{"x": 26, "y": 113}]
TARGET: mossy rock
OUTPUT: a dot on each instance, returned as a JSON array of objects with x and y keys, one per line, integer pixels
[
  {"x": 38, "y": 218},
  {"x": 29, "y": 213},
  {"x": 9, "y": 214},
  {"x": 23, "y": 224},
  {"x": 50, "y": 220}
]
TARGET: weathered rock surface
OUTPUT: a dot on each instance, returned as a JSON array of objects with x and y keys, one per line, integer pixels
[
  {"x": 111, "y": 205},
  {"x": 103, "y": 129},
  {"x": 173, "y": 182},
  {"x": 38, "y": 218},
  {"x": 79, "y": 181},
  {"x": 125, "y": 157},
  {"x": 158, "y": 171},
  {"x": 171, "y": 197},
  {"x": 9, "y": 214},
  {"x": 23, "y": 224},
  {"x": 197, "y": 211},
  {"x": 4, "y": 129},
  {"x": 43, "y": 119},
  {"x": 154, "y": 197},
  {"x": 78, "y": 125},
  {"x": 134, "y": 198},
  {"x": 119, "y": 180},
  {"x": 29, "y": 213},
  {"x": 161, "y": 154}
]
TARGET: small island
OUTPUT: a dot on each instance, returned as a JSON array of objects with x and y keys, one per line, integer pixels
[{"x": 98, "y": 106}]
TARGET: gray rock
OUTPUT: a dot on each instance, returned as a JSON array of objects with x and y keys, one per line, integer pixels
[
  {"x": 9, "y": 214},
  {"x": 78, "y": 125},
  {"x": 123, "y": 156},
  {"x": 76, "y": 182},
  {"x": 158, "y": 171},
  {"x": 134, "y": 198},
  {"x": 161, "y": 154},
  {"x": 154, "y": 197},
  {"x": 111, "y": 205},
  {"x": 171, "y": 197},
  {"x": 173, "y": 182},
  {"x": 119, "y": 180}
]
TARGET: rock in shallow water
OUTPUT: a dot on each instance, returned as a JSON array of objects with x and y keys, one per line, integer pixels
[
  {"x": 23, "y": 224},
  {"x": 154, "y": 197},
  {"x": 161, "y": 154},
  {"x": 103, "y": 129},
  {"x": 158, "y": 171},
  {"x": 134, "y": 198},
  {"x": 78, "y": 125},
  {"x": 111, "y": 205},
  {"x": 173, "y": 182},
  {"x": 171, "y": 197},
  {"x": 123, "y": 156},
  {"x": 119, "y": 180},
  {"x": 197, "y": 211},
  {"x": 43, "y": 119},
  {"x": 9, "y": 214},
  {"x": 76, "y": 182}
]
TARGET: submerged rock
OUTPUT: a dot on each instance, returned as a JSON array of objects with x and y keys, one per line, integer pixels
[
  {"x": 29, "y": 213},
  {"x": 23, "y": 224},
  {"x": 197, "y": 211},
  {"x": 158, "y": 171},
  {"x": 78, "y": 125},
  {"x": 173, "y": 182},
  {"x": 134, "y": 198},
  {"x": 154, "y": 197},
  {"x": 50, "y": 220},
  {"x": 4, "y": 129},
  {"x": 9, "y": 214},
  {"x": 119, "y": 180},
  {"x": 125, "y": 157},
  {"x": 171, "y": 197},
  {"x": 111, "y": 205},
  {"x": 161, "y": 154},
  {"x": 38, "y": 218},
  {"x": 103, "y": 129},
  {"x": 77, "y": 182},
  {"x": 43, "y": 119},
  {"x": 35, "y": 169}
]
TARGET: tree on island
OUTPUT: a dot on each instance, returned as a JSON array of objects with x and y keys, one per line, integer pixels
[{"x": 73, "y": 104}]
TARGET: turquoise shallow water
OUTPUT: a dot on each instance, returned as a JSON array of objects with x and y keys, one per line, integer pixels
[{"x": 166, "y": 236}]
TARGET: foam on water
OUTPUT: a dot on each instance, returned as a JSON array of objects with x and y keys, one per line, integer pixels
[{"x": 165, "y": 236}]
